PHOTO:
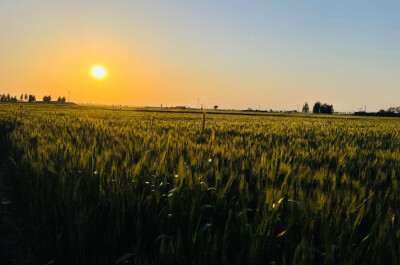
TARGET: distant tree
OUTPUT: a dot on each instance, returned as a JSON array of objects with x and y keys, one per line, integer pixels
[
  {"x": 61, "y": 100},
  {"x": 391, "y": 109},
  {"x": 317, "y": 107},
  {"x": 215, "y": 107},
  {"x": 3, "y": 98},
  {"x": 47, "y": 99},
  {"x": 388, "y": 113},
  {"x": 21, "y": 97},
  {"x": 26, "y": 97},
  {"x": 322, "y": 108},
  {"x": 8, "y": 98},
  {"x": 31, "y": 98},
  {"x": 326, "y": 109},
  {"x": 306, "y": 108},
  {"x": 398, "y": 109}
]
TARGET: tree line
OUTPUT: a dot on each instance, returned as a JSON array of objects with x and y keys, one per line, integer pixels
[
  {"x": 318, "y": 108},
  {"x": 23, "y": 98},
  {"x": 325, "y": 108},
  {"x": 390, "y": 112},
  {"x": 28, "y": 98}
]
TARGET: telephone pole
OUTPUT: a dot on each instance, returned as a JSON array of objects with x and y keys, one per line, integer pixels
[{"x": 198, "y": 102}]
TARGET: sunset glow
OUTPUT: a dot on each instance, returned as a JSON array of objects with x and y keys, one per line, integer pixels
[
  {"x": 266, "y": 55},
  {"x": 98, "y": 72}
]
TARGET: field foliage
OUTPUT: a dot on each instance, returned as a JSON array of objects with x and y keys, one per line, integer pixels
[{"x": 104, "y": 186}]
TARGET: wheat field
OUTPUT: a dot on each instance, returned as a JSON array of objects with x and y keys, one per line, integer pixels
[{"x": 99, "y": 185}]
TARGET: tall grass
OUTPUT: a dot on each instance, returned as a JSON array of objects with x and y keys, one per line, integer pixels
[{"x": 105, "y": 187}]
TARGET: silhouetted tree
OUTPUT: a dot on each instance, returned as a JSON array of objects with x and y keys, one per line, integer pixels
[
  {"x": 21, "y": 97},
  {"x": 322, "y": 108},
  {"x": 31, "y": 98},
  {"x": 388, "y": 113},
  {"x": 317, "y": 107},
  {"x": 61, "y": 100},
  {"x": 326, "y": 109},
  {"x": 26, "y": 97},
  {"x": 215, "y": 107},
  {"x": 306, "y": 108},
  {"x": 47, "y": 99}
]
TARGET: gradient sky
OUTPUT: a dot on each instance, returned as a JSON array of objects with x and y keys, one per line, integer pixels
[{"x": 236, "y": 54}]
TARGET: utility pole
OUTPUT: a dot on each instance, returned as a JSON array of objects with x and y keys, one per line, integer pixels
[{"x": 198, "y": 102}]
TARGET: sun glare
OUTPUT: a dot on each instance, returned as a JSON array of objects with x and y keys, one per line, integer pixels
[{"x": 98, "y": 72}]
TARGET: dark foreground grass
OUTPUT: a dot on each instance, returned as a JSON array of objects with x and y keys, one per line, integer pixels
[{"x": 99, "y": 186}]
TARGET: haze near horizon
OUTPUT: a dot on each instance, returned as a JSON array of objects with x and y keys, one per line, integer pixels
[{"x": 236, "y": 54}]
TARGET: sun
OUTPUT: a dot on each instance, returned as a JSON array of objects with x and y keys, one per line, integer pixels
[{"x": 98, "y": 72}]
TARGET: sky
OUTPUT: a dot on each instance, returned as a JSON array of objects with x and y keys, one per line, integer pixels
[{"x": 234, "y": 54}]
